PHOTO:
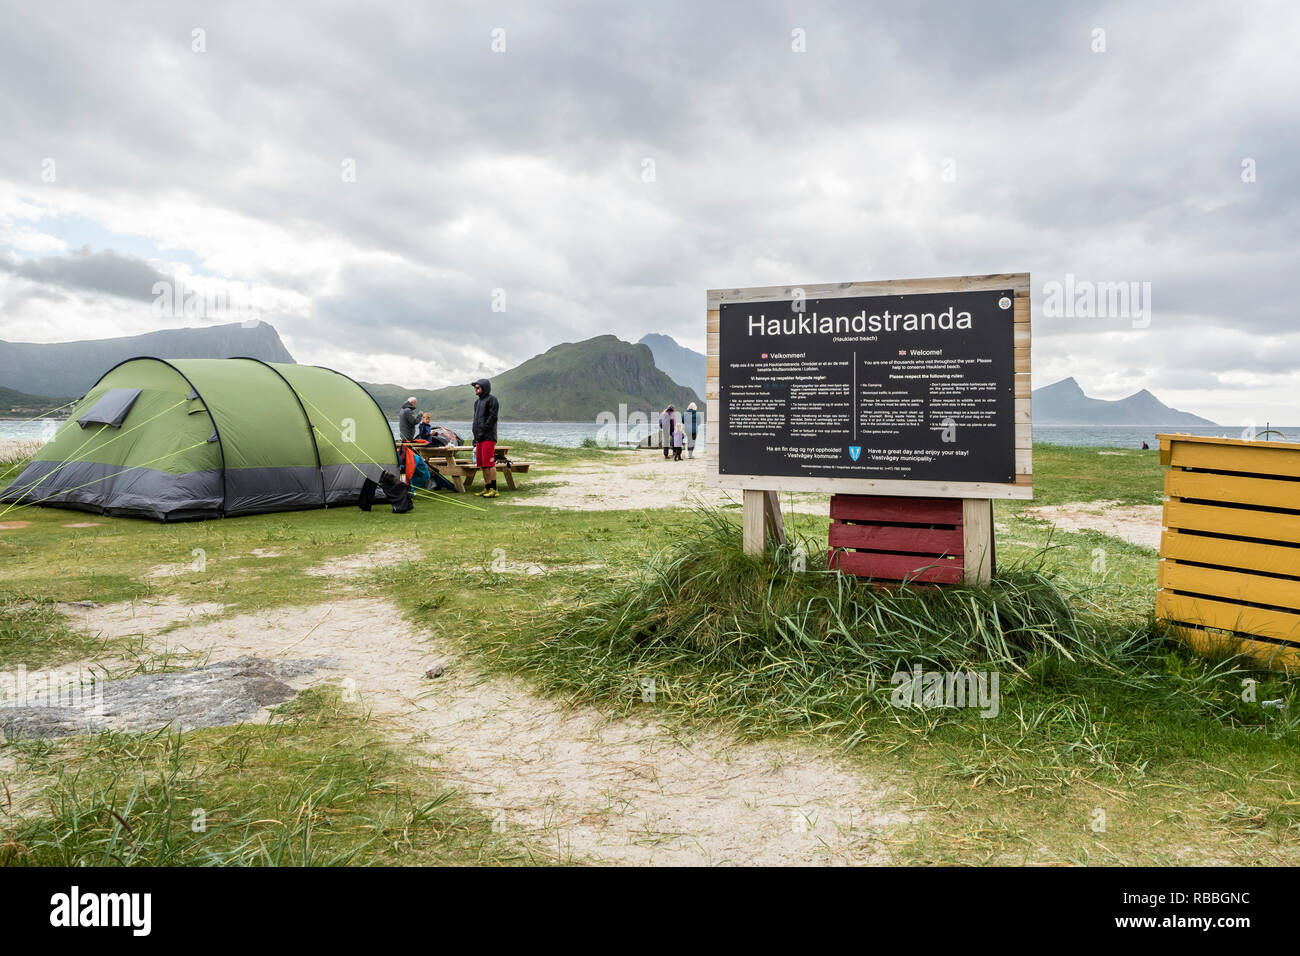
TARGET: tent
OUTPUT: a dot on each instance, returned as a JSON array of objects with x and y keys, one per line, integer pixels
[{"x": 209, "y": 438}]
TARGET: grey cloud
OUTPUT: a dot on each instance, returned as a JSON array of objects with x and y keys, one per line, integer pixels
[
  {"x": 771, "y": 166},
  {"x": 105, "y": 272}
]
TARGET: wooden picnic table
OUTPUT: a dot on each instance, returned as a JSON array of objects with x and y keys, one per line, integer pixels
[{"x": 461, "y": 472}]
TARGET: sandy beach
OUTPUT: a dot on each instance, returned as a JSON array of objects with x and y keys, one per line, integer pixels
[{"x": 645, "y": 479}]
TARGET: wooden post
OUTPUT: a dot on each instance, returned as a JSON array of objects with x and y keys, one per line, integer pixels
[
  {"x": 762, "y": 517},
  {"x": 755, "y": 521},
  {"x": 977, "y": 540},
  {"x": 772, "y": 515}
]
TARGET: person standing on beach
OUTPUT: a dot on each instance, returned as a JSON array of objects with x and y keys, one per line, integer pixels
[
  {"x": 691, "y": 419},
  {"x": 667, "y": 425},
  {"x": 486, "y": 411},
  {"x": 407, "y": 420}
]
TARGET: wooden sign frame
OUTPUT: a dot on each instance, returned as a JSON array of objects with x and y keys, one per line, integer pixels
[{"x": 977, "y": 495}]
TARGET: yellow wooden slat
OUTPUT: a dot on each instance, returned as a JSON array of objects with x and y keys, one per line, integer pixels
[
  {"x": 1024, "y": 436},
  {"x": 1230, "y": 585},
  {"x": 1024, "y": 411},
  {"x": 1238, "y": 442},
  {"x": 1251, "y": 457},
  {"x": 1248, "y": 555},
  {"x": 1023, "y": 386},
  {"x": 1207, "y": 486},
  {"x": 713, "y": 321},
  {"x": 711, "y": 368},
  {"x": 1238, "y": 522},
  {"x": 1023, "y": 339},
  {"x": 1280, "y": 656},
  {"x": 1180, "y": 608},
  {"x": 1021, "y": 360},
  {"x": 1020, "y": 311}
]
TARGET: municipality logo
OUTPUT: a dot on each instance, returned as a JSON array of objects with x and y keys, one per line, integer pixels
[{"x": 855, "y": 452}]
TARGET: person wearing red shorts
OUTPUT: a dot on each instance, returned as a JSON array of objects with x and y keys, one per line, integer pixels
[{"x": 486, "y": 411}]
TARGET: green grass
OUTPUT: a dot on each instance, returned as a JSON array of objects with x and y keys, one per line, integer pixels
[
  {"x": 320, "y": 786},
  {"x": 556, "y": 455},
  {"x": 37, "y": 634},
  {"x": 1066, "y": 473},
  {"x": 1098, "y": 710}
]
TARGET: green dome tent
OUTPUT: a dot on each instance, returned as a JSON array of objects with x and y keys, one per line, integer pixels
[{"x": 208, "y": 438}]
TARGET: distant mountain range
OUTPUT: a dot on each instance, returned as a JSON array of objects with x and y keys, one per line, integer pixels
[
  {"x": 568, "y": 383},
  {"x": 684, "y": 366},
  {"x": 1064, "y": 403},
  {"x": 71, "y": 368}
]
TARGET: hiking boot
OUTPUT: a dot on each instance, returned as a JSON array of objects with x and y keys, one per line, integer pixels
[{"x": 490, "y": 493}]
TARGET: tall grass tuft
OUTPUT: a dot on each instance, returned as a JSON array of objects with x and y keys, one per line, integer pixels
[
  {"x": 767, "y": 648},
  {"x": 14, "y": 454}
]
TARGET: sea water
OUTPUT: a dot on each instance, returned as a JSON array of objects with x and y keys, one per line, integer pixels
[{"x": 572, "y": 434}]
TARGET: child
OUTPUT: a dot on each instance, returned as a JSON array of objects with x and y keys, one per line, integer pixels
[
  {"x": 679, "y": 441},
  {"x": 426, "y": 428}
]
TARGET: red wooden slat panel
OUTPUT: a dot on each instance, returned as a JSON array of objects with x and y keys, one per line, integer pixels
[
  {"x": 891, "y": 538},
  {"x": 887, "y": 508},
  {"x": 896, "y": 567}
]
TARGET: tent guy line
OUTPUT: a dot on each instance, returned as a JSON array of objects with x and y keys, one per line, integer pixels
[
  {"x": 25, "y": 421},
  {"x": 333, "y": 424},
  {"x": 74, "y": 459},
  {"x": 62, "y": 491}
]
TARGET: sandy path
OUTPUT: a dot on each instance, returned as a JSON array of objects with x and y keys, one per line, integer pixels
[
  {"x": 580, "y": 785},
  {"x": 642, "y": 479},
  {"x": 1137, "y": 524}
]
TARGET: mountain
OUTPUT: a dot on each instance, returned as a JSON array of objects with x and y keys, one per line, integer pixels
[
  {"x": 12, "y": 402},
  {"x": 71, "y": 368},
  {"x": 572, "y": 382},
  {"x": 684, "y": 366},
  {"x": 1063, "y": 403}
]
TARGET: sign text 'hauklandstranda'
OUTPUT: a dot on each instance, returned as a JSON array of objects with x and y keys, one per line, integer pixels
[{"x": 910, "y": 387}]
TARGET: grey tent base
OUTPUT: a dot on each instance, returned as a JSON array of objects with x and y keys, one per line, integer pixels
[{"x": 149, "y": 493}]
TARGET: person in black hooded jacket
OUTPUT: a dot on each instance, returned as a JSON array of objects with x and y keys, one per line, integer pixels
[{"x": 486, "y": 411}]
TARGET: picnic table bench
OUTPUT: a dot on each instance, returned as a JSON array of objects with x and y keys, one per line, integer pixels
[{"x": 461, "y": 471}]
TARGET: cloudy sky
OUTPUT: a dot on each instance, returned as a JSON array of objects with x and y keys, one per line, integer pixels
[{"x": 373, "y": 178}]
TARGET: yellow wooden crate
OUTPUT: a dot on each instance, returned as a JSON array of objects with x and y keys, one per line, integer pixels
[{"x": 1230, "y": 553}]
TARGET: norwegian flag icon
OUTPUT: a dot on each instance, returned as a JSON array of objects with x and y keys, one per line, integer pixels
[{"x": 764, "y": 355}]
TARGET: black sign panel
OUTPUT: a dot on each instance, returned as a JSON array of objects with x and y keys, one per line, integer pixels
[{"x": 888, "y": 387}]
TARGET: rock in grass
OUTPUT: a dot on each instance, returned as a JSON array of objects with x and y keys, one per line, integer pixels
[
  {"x": 215, "y": 695},
  {"x": 437, "y": 670}
]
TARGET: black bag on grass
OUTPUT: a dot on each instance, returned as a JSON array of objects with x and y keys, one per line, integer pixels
[
  {"x": 392, "y": 489},
  {"x": 398, "y": 492}
]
